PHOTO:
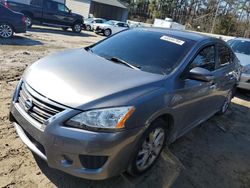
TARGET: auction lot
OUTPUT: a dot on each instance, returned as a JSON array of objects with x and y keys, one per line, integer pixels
[{"x": 214, "y": 154}]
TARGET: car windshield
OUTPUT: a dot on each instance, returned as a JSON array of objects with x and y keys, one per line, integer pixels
[
  {"x": 240, "y": 46},
  {"x": 154, "y": 52},
  {"x": 110, "y": 22}
]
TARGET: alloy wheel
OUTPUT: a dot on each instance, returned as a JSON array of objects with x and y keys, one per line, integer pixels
[
  {"x": 107, "y": 32},
  {"x": 227, "y": 102},
  {"x": 150, "y": 149},
  {"x": 6, "y": 31},
  {"x": 77, "y": 28},
  {"x": 28, "y": 21}
]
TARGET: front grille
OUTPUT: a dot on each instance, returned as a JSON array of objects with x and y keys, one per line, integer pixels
[{"x": 35, "y": 107}]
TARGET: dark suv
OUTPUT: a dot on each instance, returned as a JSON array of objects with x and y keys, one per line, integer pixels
[
  {"x": 11, "y": 22},
  {"x": 46, "y": 12}
]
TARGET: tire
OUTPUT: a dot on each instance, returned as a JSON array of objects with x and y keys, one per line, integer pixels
[
  {"x": 28, "y": 21},
  {"x": 107, "y": 32},
  {"x": 227, "y": 102},
  {"x": 88, "y": 28},
  {"x": 146, "y": 155},
  {"x": 77, "y": 28},
  {"x": 64, "y": 28},
  {"x": 6, "y": 30}
]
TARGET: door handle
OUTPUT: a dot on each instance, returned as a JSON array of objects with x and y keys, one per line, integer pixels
[{"x": 213, "y": 86}]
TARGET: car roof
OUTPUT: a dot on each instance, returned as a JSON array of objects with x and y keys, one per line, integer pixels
[
  {"x": 241, "y": 38},
  {"x": 180, "y": 33}
]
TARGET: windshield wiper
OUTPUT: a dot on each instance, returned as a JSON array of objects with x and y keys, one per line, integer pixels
[
  {"x": 88, "y": 48},
  {"x": 120, "y": 61}
]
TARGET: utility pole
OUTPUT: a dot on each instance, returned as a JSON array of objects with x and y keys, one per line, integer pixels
[{"x": 216, "y": 13}]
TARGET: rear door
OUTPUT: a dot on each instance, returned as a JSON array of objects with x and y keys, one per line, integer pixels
[{"x": 225, "y": 74}]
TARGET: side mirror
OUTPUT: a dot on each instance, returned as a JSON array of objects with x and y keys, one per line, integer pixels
[
  {"x": 70, "y": 11},
  {"x": 200, "y": 74}
]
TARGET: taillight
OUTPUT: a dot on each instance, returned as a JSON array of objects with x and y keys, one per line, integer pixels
[
  {"x": 6, "y": 4},
  {"x": 24, "y": 20}
]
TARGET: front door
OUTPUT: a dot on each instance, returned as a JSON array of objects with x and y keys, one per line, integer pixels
[{"x": 196, "y": 98}]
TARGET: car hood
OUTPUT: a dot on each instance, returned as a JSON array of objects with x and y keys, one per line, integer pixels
[
  {"x": 76, "y": 77},
  {"x": 244, "y": 59}
]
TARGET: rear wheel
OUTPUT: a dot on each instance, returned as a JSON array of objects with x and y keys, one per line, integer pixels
[
  {"x": 149, "y": 148},
  {"x": 28, "y": 21},
  {"x": 77, "y": 27},
  {"x": 226, "y": 103},
  {"x": 107, "y": 32},
  {"x": 6, "y": 30}
]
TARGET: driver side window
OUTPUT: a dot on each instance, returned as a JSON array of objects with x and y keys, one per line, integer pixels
[{"x": 205, "y": 59}]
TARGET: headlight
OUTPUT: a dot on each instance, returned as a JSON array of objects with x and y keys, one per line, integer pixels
[
  {"x": 110, "y": 118},
  {"x": 246, "y": 69}
]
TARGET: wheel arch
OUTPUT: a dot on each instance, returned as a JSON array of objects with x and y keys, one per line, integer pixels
[{"x": 168, "y": 118}]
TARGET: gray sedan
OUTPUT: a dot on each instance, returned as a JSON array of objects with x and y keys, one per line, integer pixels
[
  {"x": 98, "y": 111},
  {"x": 241, "y": 47}
]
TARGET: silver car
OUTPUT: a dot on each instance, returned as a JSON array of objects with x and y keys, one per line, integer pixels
[
  {"x": 98, "y": 111},
  {"x": 241, "y": 47}
]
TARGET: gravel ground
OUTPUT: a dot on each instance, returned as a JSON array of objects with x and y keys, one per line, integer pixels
[{"x": 214, "y": 154}]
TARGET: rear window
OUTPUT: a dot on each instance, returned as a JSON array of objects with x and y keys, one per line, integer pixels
[{"x": 154, "y": 52}]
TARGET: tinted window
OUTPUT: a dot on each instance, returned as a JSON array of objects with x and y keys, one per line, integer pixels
[
  {"x": 62, "y": 8},
  {"x": 49, "y": 5},
  {"x": 98, "y": 21},
  {"x": 205, "y": 59},
  {"x": 37, "y": 3},
  {"x": 149, "y": 50},
  {"x": 224, "y": 55},
  {"x": 240, "y": 46}
]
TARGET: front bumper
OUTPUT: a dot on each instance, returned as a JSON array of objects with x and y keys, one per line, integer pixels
[
  {"x": 69, "y": 149},
  {"x": 244, "y": 82}
]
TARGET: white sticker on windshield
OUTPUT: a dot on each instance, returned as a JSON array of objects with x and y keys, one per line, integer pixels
[{"x": 173, "y": 40}]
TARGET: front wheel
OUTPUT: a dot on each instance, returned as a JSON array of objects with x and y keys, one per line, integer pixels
[
  {"x": 77, "y": 28},
  {"x": 107, "y": 32},
  {"x": 6, "y": 30},
  {"x": 88, "y": 28},
  {"x": 149, "y": 148}
]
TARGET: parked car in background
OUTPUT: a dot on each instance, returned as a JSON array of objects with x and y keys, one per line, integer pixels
[
  {"x": 98, "y": 111},
  {"x": 111, "y": 27},
  {"x": 91, "y": 22},
  {"x": 11, "y": 22},
  {"x": 46, "y": 12},
  {"x": 241, "y": 47}
]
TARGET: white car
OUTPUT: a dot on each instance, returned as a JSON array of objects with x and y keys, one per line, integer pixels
[
  {"x": 90, "y": 23},
  {"x": 111, "y": 27},
  {"x": 241, "y": 47}
]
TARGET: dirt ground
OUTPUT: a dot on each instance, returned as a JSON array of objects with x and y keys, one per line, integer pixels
[{"x": 215, "y": 154}]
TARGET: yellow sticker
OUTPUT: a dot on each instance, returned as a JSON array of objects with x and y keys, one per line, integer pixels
[{"x": 173, "y": 40}]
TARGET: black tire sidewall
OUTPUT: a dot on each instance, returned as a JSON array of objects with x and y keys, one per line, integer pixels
[{"x": 132, "y": 169}]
